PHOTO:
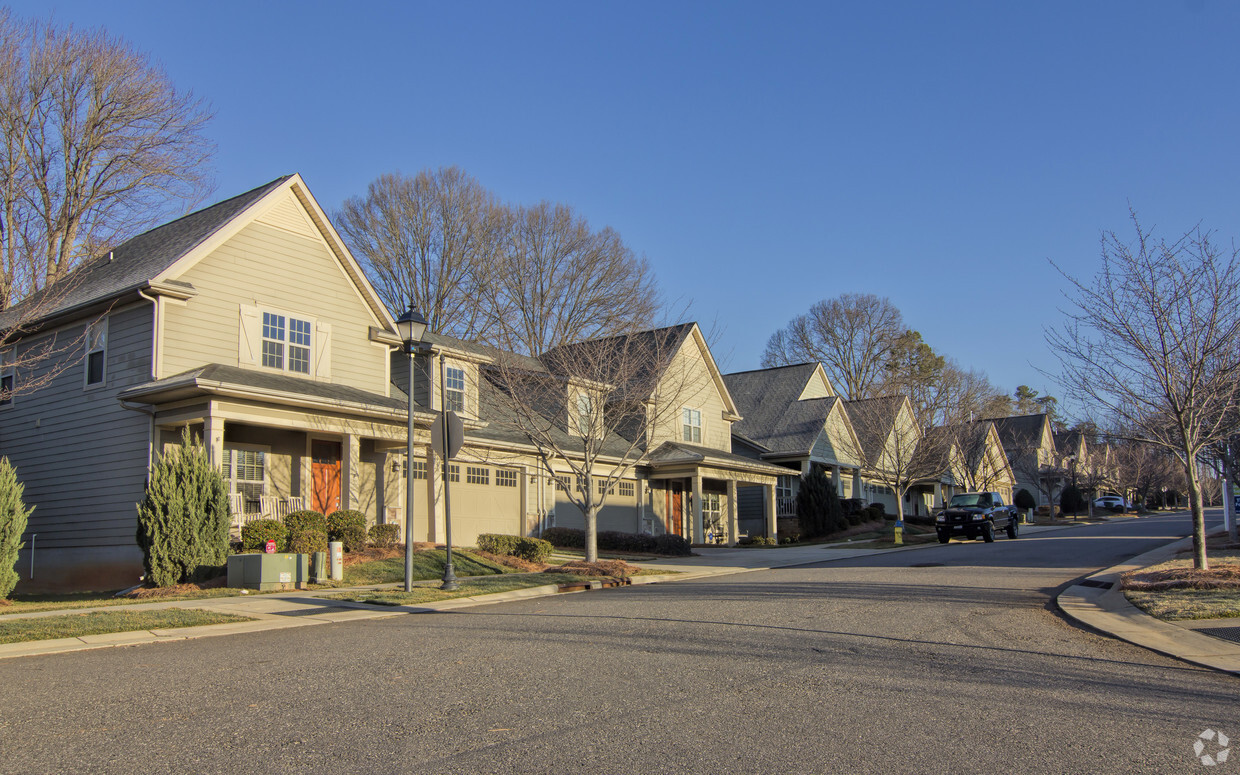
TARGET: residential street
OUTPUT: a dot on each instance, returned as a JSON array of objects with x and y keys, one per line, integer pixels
[{"x": 857, "y": 666}]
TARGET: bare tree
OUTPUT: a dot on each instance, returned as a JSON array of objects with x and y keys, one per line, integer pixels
[
  {"x": 1153, "y": 340},
  {"x": 430, "y": 240},
  {"x": 98, "y": 145},
  {"x": 559, "y": 282},
  {"x": 852, "y": 336},
  {"x": 592, "y": 407}
]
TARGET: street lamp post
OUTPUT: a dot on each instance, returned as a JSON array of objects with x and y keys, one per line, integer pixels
[{"x": 411, "y": 327}]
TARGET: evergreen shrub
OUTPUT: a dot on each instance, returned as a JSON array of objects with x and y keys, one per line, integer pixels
[
  {"x": 306, "y": 519},
  {"x": 384, "y": 535},
  {"x": 567, "y": 537},
  {"x": 673, "y": 545},
  {"x": 256, "y": 534},
  {"x": 184, "y": 518},
  {"x": 1024, "y": 500},
  {"x": 819, "y": 511},
  {"x": 349, "y": 528},
  {"x": 13, "y": 516},
  {"x": 307, "y": 541}
]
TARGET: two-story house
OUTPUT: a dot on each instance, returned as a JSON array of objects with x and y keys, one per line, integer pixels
[{"x": 1029, "y": 443}]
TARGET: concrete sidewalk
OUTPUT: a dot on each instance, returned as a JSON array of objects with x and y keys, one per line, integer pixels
[
  {"x": 1098, "y": 602},
  {"x": 271, "y": 611}
]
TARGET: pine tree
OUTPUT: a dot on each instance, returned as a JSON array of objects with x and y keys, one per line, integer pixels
[
  {"x": 13, "y": 515},
  {"x": 183, "y": 521}
]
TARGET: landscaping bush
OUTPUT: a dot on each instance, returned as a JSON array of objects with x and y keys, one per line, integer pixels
[
  {"x": 1024, "y": 500},
  {"x": 13, "y": 514},
  {"x": 349, "y": 528},
  {"x": 1071, "y": 500},
  {"x": 818, "y": 506},
  {"x": 183, "y": 519},
  {"x": 673, "y": 545},
  {"x": 852, "y": 505},
  {"x": 307, "y": 541},
  {"x": 497, "y": 543},
  {"x": 625, "y": 542},
  {"x": 789, "y": 537},
  {"x": 256, "y": 534},
  {"x": 569, "y": 538},
  {"x": 384, "y": 535},
  {"x": 298, "y": 521},
  {"x": 757, "y": 541},
  {"x": 529, "y": 549},
  {"x": 878, "y": 508}
]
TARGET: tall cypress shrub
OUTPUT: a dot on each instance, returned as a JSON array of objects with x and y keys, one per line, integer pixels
[
  {"x": 819, "y": 510},
  {"x": 183, "y": 520},
  {"x": 13, "y": 514}
]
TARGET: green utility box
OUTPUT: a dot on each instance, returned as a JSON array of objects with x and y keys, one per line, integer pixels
[
  {"x": 318, "y": 567},
  {"x": 268, "y": 572}
]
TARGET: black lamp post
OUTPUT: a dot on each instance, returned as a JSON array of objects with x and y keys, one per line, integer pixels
[{"x": 411, "y": 327}]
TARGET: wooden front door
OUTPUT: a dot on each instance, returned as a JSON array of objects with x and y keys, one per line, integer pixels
[
  {"x": 325, "y": 470},
  {"x": 675, "y": 508}
]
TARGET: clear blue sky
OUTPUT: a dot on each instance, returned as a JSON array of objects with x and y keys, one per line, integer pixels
[{"x": 762, "y": 156}]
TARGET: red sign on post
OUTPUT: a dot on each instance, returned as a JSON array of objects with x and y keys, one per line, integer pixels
[{"x": 271, "y": 547}]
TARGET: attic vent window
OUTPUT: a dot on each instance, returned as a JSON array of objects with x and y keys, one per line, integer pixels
[{"x": 96, "y": 351}]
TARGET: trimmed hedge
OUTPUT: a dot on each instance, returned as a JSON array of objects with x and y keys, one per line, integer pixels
[
  {"x": 299, "y": 521},
  {"x": 569, "y": 538},
  {"x": 1024, "y": 500},
  {"x": 530, "y": 549},
  {"x": 612, "y": 541},
  {"x": 673, "y": 545},
  {"x": 256, "y": 534},
  {"x": 349, "y": 528},
  {"x": 384, "y": 535},
  {"x": 307, "y": 541}
]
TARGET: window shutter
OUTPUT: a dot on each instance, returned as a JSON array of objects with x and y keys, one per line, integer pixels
[
  {"x": 249, "y": 343},
  {"x": 322, "y": 350}
]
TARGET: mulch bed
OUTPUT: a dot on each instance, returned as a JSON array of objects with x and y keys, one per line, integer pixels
[
  {"x": 613, "y": 568},
  {"x": 154, "y": 593},
  {"x": 1220, "y": 577},
  {"x": 507, "y": 560}
]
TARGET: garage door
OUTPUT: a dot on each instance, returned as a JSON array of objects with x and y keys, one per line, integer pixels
[{"x": 485, "y": 499}]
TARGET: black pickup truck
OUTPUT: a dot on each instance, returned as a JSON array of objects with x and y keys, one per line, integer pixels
[{"x": 974, "y": 514}]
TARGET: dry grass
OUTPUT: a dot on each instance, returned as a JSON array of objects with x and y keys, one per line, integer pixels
[
  {"x": 1175, "y": 590},
  {"x": 102, "y": 622}
]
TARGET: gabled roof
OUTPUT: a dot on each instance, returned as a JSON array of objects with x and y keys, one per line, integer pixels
[
  {"x": 773, "y": 415},
  {"x": 672, "y": 453},
  {"x": 1021, "y": 432},
  {"x": 880, "y": 414},
  {"x": 138, "y": 261}
]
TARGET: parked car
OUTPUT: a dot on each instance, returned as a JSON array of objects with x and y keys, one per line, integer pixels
[
  {"x": 1113, "y": 502},
  {"x": 974, "y": 514}
]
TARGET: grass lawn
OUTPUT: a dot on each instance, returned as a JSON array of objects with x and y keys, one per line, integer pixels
[
  {"x": 25, "y": 604},
  {"x": 1186, "y": 594},
  {"x": 100, "y": 622},
  {"x": 427, "y": 564},
  {"x": 484, "y": 585}
]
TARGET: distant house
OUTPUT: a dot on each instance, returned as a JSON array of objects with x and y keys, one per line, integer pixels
[
  {"x": 1029, "y": 443},
  {"x": 791, "y": 417},
  {"x": 250, "y": 323}
]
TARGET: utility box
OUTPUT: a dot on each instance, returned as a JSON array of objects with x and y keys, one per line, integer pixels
[
  {"x": 318, "y": 567},
  {"x": 336, "y": 550},
  {"x": 269, "y": 572}
]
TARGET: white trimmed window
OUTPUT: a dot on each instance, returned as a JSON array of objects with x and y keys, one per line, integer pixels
[
  {"x": 419, "y": 469},
  {"x": 603, "y": 489},
  {"x": 454, "y": 473},
  {"x": 581, "y": 483},
  {"x": 585, "y": 414},
  {"x": 7, "y": 372},
  {"x": 561, "y": 483},
  {"x": 454, "y": 389},
  {"x": 96, "y": 352},
  {"x": 286, "y": 343},
  {"x": 626, "y": 489},
  {"x": 245, "y": 472},
  {"x": 692, "y": 425},
  {"x": 505, "y": 478},
  {"x": 477, "y": 475},
  {"x": 783, "y": 487}
]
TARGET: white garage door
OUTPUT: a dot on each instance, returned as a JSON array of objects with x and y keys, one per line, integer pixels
[{"x": 485, "y": 499}]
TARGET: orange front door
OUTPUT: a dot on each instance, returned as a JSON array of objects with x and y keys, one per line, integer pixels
[
  {"x": 675, "y": 508},
  {"x": 325, "y": 469}
]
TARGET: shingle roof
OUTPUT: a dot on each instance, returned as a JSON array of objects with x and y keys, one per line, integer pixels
[
  {"x": 873, "y": 420},
  {"x": 139, "y": 260},
  {"x": 1020, "y": 432},
  {"x": 770, "y": 411},
  {"x": 649, "y": 350},
  {"x": 215, "y": 375}
]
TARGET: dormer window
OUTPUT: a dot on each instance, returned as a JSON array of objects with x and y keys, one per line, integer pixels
[
  {"x": 96, "y": 352},
  {"x": 692, "y": 425},
  {"x": 454, "y": 389},
  {"x": 585, "y": 414}
]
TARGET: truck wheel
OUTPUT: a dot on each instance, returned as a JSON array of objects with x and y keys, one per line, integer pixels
[
  {"x": 944, "y": 536},
  {"x": 988, "y": 532},
  {"x": 1013, "y": 528}
]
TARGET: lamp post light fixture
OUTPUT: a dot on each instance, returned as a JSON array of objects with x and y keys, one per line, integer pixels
[{"x": 411, "y": 326}]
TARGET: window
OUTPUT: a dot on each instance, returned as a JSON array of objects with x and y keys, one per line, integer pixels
[
  {"x": 6, "y": 377},
  {"x": 712, "y": 516},
  {"x": 244, "y": 470},
  {"x": 96, "y": 351},
  {"x": 626, "y": 489},
  {"x": 419, "y": 469},
  {"x": 603, "y": 489},
  {"x": 454, "y": 473},
  {"x": 561, "y": 483},
  {"x": 693, "y": 426},
  {"x": 581, "y": 483},
  {"x": 783, "y": 487},
  {"x": 279, "y": 330},
  {"x": 454, "y": 389},
  {"x": 585, "y": 414},
  {"x": 505, "y": 478},
  {"x": 476, "y": 475}
]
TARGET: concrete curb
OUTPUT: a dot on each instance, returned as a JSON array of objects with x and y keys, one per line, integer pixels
[{"x": 1098, "y": 603}]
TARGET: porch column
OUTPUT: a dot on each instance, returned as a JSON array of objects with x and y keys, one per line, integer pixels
[
  {"x": 938, "y": 495},
  {"x": 213, "y": 439},
  {"x": 835, "y": 479},
  {"x": 856, "y": 488},
  {"x": 350, "y": 472},
  {"x": 733, "y": 520},
  {"x": 699, "y": 527},
  {"x": 772, "y": 526}
]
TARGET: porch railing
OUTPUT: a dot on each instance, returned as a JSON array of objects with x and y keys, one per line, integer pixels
[
  {"x": 267, "y": 507},
  {"x": 786, "y": 507}
]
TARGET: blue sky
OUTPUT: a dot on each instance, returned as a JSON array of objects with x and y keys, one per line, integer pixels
[{"x": 762, "y": 156}]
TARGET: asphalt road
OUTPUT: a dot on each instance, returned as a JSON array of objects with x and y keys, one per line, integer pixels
[{"x": 862, "y": 666}]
